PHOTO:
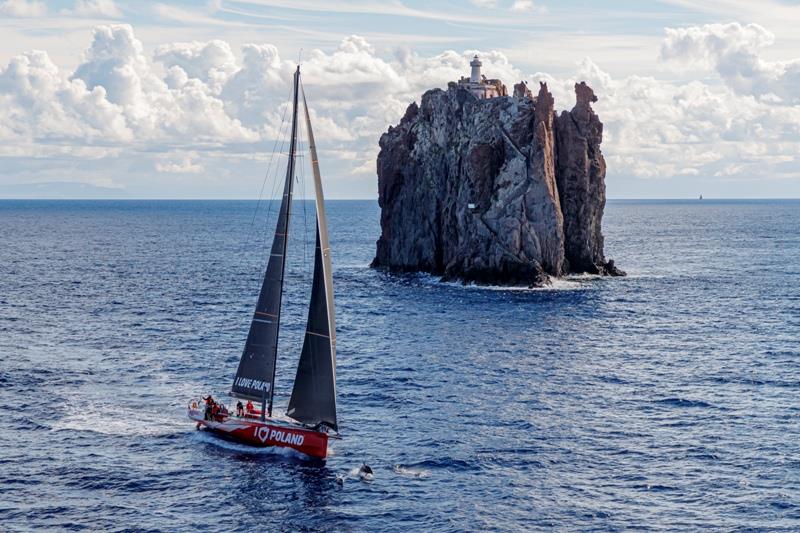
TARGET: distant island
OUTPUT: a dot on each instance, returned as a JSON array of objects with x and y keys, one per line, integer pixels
[{"x": 479, "y": 186}]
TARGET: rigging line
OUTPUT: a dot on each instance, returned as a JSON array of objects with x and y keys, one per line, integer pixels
[
  {"x": 262, "y": 240},
  {"x": 269, "y": 164},
  {"x": 276, "y": 171},
  {"x": 283, "y": 134}
]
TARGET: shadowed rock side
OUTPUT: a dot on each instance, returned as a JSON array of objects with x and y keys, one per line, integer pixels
[
  {"x": 580, "y": 173},
  {"x": 472, "y": 189}
]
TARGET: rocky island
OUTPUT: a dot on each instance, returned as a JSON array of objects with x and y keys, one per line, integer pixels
[{"x": 488, "y": 188}]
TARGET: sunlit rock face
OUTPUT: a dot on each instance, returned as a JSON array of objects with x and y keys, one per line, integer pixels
[{"x": 495, "y": 191}]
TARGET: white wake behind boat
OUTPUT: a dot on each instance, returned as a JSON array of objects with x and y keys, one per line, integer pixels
[{"x": 311, "y": 413}]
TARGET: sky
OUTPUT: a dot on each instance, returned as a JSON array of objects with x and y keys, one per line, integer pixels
[{"x": 188, "y": 99}]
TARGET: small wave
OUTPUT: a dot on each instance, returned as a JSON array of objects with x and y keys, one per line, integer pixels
[
  {"x": 569, "y": 283},
  {"x": 445, "y": 463},
  {"x": 417, "y": 473},
  {"x": 115, "y": 420},
  {"x": 681, "y": 402},
  {"x": 655, "y": 487}
]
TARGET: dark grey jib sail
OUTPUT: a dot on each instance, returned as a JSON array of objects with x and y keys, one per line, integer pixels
[
  {"x": 256, "y": 373},
  {"x": 313, "y": 400}
]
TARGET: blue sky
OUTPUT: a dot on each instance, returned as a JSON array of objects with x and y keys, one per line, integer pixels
[{"x": 185, "y": 99}]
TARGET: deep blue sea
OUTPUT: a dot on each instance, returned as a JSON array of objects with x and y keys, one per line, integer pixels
[{"x": 667, "y": 400}]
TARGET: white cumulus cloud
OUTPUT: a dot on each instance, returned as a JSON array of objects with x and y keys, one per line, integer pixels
[
  {"x": 210, "y": 62},
  {"x": 202, "y": 107},
  {"x": 182, "y": 165},
  {"x": 97, "y": 8},
  {"x": 23, "y": 8},
  {"x": 734, "y": 52},
  {"x": 527, "y": 6}
]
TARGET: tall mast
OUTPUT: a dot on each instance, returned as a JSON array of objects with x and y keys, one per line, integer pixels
[{"x": 255, "y": 377}]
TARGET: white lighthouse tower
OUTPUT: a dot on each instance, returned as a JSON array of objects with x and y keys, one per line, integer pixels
[
  {"x": 475, "y": 76},
  {"x": 478, "y": 85}
]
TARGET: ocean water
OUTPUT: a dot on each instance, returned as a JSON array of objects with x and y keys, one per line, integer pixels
[{"x": 667, "y": 400}]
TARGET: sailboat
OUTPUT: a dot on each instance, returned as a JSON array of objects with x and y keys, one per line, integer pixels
[{"x": 311, "y": 414}]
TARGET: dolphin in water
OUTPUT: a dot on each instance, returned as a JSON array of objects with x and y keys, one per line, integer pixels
[{"x": 365, "y": 473}]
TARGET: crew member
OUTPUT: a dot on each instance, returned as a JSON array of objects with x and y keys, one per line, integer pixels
[
  {"x": 209, "y": 407},
  {"x": 239, "y": 409},
  {"x": 250, "y": 408}
]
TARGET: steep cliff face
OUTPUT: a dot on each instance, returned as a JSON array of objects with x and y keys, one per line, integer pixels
[{"x": 473, "y": 189}]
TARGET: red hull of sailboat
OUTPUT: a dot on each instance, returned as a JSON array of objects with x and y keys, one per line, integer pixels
[{"x": 254, "y": 432}]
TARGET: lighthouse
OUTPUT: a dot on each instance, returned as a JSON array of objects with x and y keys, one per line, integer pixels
[
  {"x": 477, "y": 84},
  {"x": 475, "y": 76}
]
